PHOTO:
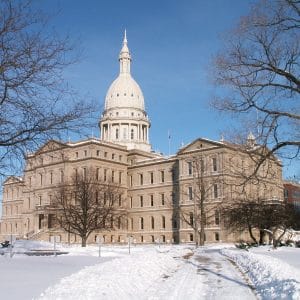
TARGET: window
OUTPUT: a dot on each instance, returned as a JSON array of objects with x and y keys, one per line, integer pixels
[
  {"x": 151, "y": 178},
  {"x": 84, "y": 173},
  {"x": 51, "y": 177},
  {"x": 76, "y": 154},
  {"x": 130, "y": 180},
  {"x": 85, "y": 152},
  {"x": 190, "y": 192},
  {"x": 119, "y": 222},
  {"x": 142, "y": 239},
  {"x": 132, "y": 134},
  {"x": 151, "y": 200},
  {"x": 217, "y": 217},
  {"x": 163, "y": 239},
  {"x": 120, "y": 177},
  {"x": 190, "y": 168},
  {"x": 120, "y": 200},
  {"x": 41, "y": 179},
  {"x": 152, "y": 222},
  {"x": 191, "y": 237},
  {"x": 162, "y": 199},
  {"x": 162, "y": 176},
  {"x": 97, "y": 174},
  {"x": 141, "y": 179},
  {"x": 124, "y": 133},
  {"x": 215, "y": 191},
  {"x": 61, "y": 176},
  {"x": 113, "y": 156},
  {"x": 105, "y": 174},
  {"x": 130, "y": 202},
  {"x": 191, "y": 219},
  {"x": 152, "y": 238},
  {"x": 120, "y": 157},
  {"x": 105, "y": 154},
  {"x": 112, "y": 176},
  {"x": 98, "y": 152},
  {"x": 141, "y": 223},
  {"x": 96, "y": 197},
  {"x": 217, "y": 236},
  {"x": 163, "y": 222},
  {"x": 141, "y": 201},
  {"x": 214, "y": 164}
]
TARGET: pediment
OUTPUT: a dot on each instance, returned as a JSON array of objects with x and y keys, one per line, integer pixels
[
  {"x": 199, "y": 144},
  {"x": 51, "y": 146},
  {"x": 12, "y": 180}
]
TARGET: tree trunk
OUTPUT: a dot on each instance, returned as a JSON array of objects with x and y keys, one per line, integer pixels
[
  {"x": 83, "y": 241},
  {"x": 261, "y": 236},
  {"x": 251, "y": 234}
]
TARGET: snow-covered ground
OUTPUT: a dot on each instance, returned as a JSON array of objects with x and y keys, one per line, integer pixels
[{"x": 150, "y": 272}]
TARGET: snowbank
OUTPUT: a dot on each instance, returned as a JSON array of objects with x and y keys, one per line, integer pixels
[
  {"x": 128, "y": 277},
  {"x": 272, "y": 277}
]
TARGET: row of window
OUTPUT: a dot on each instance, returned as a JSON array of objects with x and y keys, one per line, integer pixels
[
  {"x": 198, "y": 165},
  {"x": 215, "y": 192},
  {"x": 113, "y": 156}
]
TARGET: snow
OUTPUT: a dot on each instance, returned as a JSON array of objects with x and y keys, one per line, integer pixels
[
  {"x": 216, "y": 271},
  {"x": 274, "y": 273}
]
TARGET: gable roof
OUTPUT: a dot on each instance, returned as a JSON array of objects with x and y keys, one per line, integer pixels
[{"x": 200, "y": 143}]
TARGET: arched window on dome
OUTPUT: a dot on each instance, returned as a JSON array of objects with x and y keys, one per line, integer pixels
[
  {"x": 117, "y": 134},
  {"x": 132, "y": 134}
]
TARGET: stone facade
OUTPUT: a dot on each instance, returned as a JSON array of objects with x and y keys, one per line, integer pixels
[{"x": 157, "y": 189}]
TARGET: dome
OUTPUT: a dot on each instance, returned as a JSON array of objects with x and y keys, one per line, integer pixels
[{"x": 124, "y": 92}]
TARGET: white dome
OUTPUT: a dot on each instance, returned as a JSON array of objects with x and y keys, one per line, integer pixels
[{"x": 124, "y": 92}]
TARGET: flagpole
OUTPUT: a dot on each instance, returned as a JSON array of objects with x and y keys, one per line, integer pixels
[{"x": 169, "y": 140}]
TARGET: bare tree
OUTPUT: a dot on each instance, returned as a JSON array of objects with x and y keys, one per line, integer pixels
[
  {"x": 85, "y": 204},
  {"x": 258, "y": 70},
  {"x": 36, "y": 103},
  {"x": 204, "y": 211}
]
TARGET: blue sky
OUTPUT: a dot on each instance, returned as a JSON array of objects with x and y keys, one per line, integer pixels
[{"x": 172, "y": 44}]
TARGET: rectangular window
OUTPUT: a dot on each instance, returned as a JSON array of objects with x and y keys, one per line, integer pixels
[
  {"x": 141, "y": 201},
  {"x": 120, "y": 177},
  {"x": 105, "y": 154},
  {"x": 162, "y": 176},
  {"x": 97, "y": 174},
  {"x": 191, "y": 219},
  {"x": 84, "y": 173},
  {"x": 215, "y": 191},
  {"x": 112, "y": 176},
  {"x": 85, "y": 152},
  {"x": 120, "y": 200},
  {"x": 141, "y": 179},
  {"x": 41, "y": 179},
  {"x": 130, "y": 202},
  {"x": 162, "y": 199},
  {"x": 130, "y": 180},
  {"x": 217, "y": 218},
  {"x": 61, "y": 176},
  {"x": 51, "y": 178},
  {"x": 190, "y": 193},
  {"x": 113, "y": 156},
  {"x": 214, "y": 163},
  {"x": 151, "y": 200},
  {"x": 190, "y": 168},
  {"x": 151, "y": 178},
  {"x": 98, "y": 152},
  {"x": 76, "y": 154},
  {"x": 105, "y": 174}
]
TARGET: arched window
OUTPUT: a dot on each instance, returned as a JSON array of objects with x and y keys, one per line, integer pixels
[
  {"x": 163, "y": 222},
  {"x": 117, "y": 134},
  {"x": 191, "y": 219},
  {"x": 132, "y": 134},
  {"x": 152, "y": 222}
]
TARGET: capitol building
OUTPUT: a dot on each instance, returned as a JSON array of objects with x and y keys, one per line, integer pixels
[{"x": 159, "y": 192}]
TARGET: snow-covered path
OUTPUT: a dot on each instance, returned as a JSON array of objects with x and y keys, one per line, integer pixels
[
  {"x": 204, "y": 274},
  {"x": 174, "y": 273}
]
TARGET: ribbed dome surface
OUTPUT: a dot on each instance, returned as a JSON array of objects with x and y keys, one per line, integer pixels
[{"x": 124, "y": 92}]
